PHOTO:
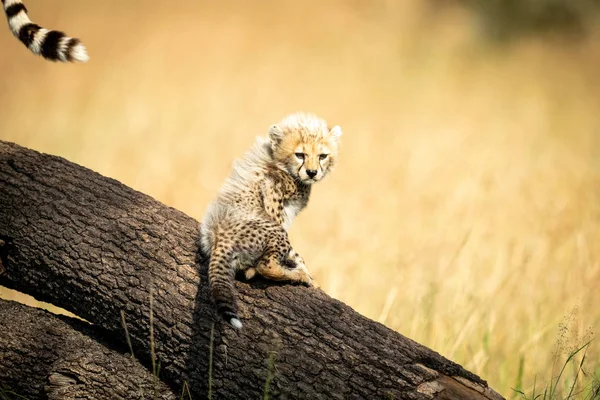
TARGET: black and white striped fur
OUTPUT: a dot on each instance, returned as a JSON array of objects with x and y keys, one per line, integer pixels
[{"x": 50, "y": 44}]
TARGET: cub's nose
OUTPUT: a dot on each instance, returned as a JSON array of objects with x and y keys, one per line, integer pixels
[{"x": 311, "y": 173}]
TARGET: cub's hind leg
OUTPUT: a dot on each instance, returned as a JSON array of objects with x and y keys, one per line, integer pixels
[
  {"x": 280, "y": 262},
  {"x": 271, "y": 268},
  {"x": 293, "y": 261},
  {"x": 299, "y": 262}
]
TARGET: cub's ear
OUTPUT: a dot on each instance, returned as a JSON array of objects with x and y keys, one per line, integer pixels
[
  {"x": 336, "y": 132},
  {"x": 275, "y": 134}
]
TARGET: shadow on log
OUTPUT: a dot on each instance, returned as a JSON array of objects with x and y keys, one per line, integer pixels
[
  {"x": 95, "y": 247},
  {"x": 47, "y": 356}
]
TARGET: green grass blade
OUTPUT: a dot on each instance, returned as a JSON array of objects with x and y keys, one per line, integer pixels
[
  {"x": 152, "y": 346},
  {"x": 573, "y": 354},
  {"x": 270, "y": 374},
  {"x": 128, "y": 339},
  {"x": 184, "y": 389},
  {"x": 210, "y": 360},
  {"x": 576, "y": 375},
  {"x": 518, "y": 389}
]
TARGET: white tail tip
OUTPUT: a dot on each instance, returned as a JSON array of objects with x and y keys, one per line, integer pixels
[
  {"x": 235, "y": 323},
  {"x": 79, "y": 53}
]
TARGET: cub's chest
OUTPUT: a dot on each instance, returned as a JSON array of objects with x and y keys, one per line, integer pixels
[{"x": 291, "y": 208}]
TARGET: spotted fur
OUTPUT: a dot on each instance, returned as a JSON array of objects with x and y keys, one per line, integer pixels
[
  {"x": 245, "y": 228},
  {"x": 50, "y": 44}
]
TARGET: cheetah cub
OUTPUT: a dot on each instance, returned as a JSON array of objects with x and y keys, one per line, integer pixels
[{"x": 245, "y": 228}]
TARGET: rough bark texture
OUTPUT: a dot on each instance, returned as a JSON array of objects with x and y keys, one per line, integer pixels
[
  {"x": 94, "y": 247},
  {"x": 44, "y": 355}
]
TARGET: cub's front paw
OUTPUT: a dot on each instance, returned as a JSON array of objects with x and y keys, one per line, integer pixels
[
  {"x": 300, "y": 272},
  {"x": 304, "y": 276}
]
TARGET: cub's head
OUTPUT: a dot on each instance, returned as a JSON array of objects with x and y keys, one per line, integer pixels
[{"x": 305, "y": 146}]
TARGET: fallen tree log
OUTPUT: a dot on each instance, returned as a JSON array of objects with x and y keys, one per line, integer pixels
[
  {"x": 44, "y": 355},
  {"x": 93, "y": 246}
]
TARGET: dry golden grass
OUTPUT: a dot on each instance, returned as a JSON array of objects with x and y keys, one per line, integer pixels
[{"x": 465, "y": 211}]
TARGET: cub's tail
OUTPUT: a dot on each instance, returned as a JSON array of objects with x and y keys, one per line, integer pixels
[
  {"x": 52, "y": 45},
  {"x": 221, "y": 279}
]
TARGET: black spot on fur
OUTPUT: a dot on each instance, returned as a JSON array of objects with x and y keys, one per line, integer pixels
[
  {"x": 289, "y": 263},
  {"x": 227, "y": 314},
  {"x": 50, "y": 49},
  {"x": 27, "y": 33},
  {"x": 70, "y": 45},
  {"x": 13, "y": 10}
]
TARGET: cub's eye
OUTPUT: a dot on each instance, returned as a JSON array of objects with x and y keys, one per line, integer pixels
[
  {"x": 300, "y": 156},
  {"x": 323, "y": 156}
]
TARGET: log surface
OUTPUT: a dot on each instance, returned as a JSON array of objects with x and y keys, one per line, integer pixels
[
  {"x": 93, "y": 246},
  {"x": 46, "y": 356}
]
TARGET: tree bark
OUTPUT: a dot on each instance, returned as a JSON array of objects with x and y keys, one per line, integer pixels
[
  {"x": 44, "y": 355},
  {"x": 95, "y": 247}
]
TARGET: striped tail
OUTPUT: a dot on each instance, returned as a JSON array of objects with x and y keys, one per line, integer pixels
[
  {"x": 52, "y": 45},
  {"x": 221, "y": 279}
]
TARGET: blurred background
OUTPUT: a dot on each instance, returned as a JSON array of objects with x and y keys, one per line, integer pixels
[{"x": 465, "y": 210}]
